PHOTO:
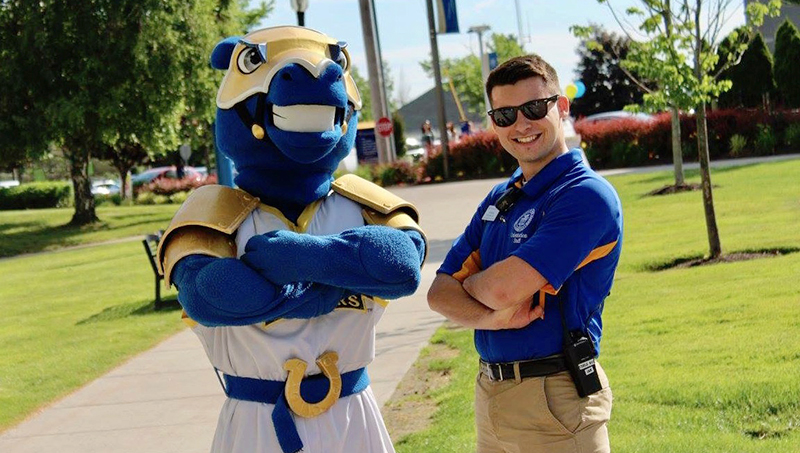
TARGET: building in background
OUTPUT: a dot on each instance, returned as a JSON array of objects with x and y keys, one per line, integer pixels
[{"x": 771, "y": 24}]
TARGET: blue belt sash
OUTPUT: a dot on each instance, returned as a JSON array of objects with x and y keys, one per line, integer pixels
[{"x": 312, "y": 388}]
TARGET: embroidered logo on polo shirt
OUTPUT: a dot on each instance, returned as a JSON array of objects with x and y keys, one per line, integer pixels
[{"x": 522, "y": 222}]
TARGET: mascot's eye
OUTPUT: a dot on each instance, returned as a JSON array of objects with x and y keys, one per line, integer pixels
[
  {"x": 249, "y": 60},
  {"x": 341, "y": 60},
  {"x": 338, "y": 54}
]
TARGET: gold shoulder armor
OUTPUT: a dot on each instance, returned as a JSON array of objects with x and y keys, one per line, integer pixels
[
  {"x": 381, "y": 207},
  {"x": 373, "y": 196},
  {"x": 204, "y": 225}
]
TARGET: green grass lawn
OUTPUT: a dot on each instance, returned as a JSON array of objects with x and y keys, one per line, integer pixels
[
  {"x": 71, "y": 316},
  {"x": 704, "y": 359},
  {"x": 39, "y": 230}
]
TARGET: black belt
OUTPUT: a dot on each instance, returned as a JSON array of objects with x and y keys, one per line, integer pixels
[{"x": 527, "y": 368}]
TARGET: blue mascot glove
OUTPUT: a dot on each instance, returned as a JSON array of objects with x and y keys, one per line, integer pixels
[
  {"x": 307, "y": 300},
  {"x": 226, "y": 292},
  {"x": 375, "y": 260}
]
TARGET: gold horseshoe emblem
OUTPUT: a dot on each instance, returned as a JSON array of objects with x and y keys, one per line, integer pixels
[{"x": 296, "y": 369}]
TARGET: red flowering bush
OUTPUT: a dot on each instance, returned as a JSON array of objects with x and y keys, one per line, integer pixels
[
  {"x": 166, "y": 186},
  {"x": 479, "y": 155},
  {"x": 630, "y": 142}
]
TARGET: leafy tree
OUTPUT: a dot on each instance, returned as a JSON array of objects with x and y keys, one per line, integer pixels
[
  {"x": 753, "y": 74},
  {"x": 189, "y": 117},
  {"x": 670, "y": 84},
  {"x": 22, "y": 121},
  {"x": 465, "y": 72},
  {"x": 787, "y": 64},
  {"x": 725, "y": 53},
  {"x": 111, "y": 74},
  {"x": 608, "y": 87},
  {"x": 680, "y": 55}
]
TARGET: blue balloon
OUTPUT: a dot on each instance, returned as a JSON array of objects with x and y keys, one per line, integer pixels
[{"x": 581, "y": 89}]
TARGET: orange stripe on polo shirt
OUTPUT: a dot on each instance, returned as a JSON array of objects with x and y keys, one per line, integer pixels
[
  {"x": 594, "y": 255},
  {"x": 471, "y": 266}
]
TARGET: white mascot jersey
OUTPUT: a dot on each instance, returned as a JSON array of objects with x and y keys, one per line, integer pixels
[{"x": 353, "y": 424}]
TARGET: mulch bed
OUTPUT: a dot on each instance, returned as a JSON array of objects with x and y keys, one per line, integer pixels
[{"x": 667, "y": 190}]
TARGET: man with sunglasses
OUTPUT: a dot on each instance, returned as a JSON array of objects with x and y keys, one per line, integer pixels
[{"x": 530, "y": 275}]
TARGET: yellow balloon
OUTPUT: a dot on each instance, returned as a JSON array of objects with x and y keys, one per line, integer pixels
[{"x": 571, "y": 90}]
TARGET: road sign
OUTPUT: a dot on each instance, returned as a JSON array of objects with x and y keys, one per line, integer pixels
[{"x": 384, "y": 127}]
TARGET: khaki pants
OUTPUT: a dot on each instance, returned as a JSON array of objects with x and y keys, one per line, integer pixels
[{"x": 541, "y": 414}]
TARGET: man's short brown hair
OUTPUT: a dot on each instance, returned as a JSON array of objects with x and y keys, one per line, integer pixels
[{"x": 521, "y": 68}]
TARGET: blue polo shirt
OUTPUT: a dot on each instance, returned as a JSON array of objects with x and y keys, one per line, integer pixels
[{"x": 568, "y": 226}]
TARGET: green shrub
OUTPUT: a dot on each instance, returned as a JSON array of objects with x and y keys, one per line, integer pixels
[
  {"x": 37, "y": 195},
  {"x": 178, "y": 197},
  {"x": 765, "y": 140},
  {"x": 738, "y": 144},
  {"x": 792, "y": 135},
  {"x": 161, "y": 199},
  {"x": 145, "y": 198}
]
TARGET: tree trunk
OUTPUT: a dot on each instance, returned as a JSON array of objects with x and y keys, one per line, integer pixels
[
  {"x": 715, "y": 248},
  {"x": 677, "y": 152},
  {"x": 84, "y": 201},
  {"x": 123, "y": 170}
]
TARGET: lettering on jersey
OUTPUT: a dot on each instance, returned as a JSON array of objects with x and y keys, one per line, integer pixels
[
  {"x": 522, "y": 222},
  {"x": 353, "y": 302}
]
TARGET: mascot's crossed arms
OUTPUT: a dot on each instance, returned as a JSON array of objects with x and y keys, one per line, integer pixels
[{"x": 285, "y": 278}]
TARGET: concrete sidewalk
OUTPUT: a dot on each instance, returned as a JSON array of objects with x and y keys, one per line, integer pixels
[{"x": 167, "y": 399}]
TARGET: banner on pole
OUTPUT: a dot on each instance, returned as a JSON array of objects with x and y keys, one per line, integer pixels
[{"x": 448, "y": 18}]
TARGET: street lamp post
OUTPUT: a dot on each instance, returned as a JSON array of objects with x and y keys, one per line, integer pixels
[
  {"x": 480, "y": 29},
  {"x": 300, "y": 7}
]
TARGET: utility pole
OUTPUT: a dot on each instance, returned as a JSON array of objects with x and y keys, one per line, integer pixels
[
  {"x": 480, "y": 29},
  {"x": 437, "y": 75},
  {"x": 379, "y": 106},
  {"x": 519, "y": 26}
]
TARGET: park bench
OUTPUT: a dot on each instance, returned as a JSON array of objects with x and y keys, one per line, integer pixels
[{"x": 150, "y": 242}]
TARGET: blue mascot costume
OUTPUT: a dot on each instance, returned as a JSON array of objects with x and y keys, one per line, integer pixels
[{"x": 284, "y": 279}]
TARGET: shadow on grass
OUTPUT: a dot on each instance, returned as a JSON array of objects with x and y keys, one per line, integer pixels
[
  {"x": 132, "y": 309},
  {"x": 39, "y": 239},
  {"x": 16, "y": 225},
  {"x": 700, "y": 260},
  {"x": 38, "y": 236},
  {"x": 692, "y": 173}
]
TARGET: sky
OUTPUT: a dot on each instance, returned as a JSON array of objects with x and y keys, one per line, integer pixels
[{"x": 404, "y": 40}]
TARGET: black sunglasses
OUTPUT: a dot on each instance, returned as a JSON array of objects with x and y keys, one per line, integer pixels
[{"x": 533, "y": 110}]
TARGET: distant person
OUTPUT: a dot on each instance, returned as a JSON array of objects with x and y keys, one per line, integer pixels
[
  {"x": 427, "y": 138},
  {"x": 466, "y": 128},
  {"x": 452, "y": 136},
  {"x": 547, "y": 241}
]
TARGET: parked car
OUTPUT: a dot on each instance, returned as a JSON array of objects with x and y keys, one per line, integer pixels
[
  {"x": 617, "y": 115},
  {"x": 171, "y": 172},
  {"x": 9, "y": 183},
  {"x": 105, "y": 187}
]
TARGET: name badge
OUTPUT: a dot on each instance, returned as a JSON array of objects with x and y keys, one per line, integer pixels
[{"x": 491, "y": 214}]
